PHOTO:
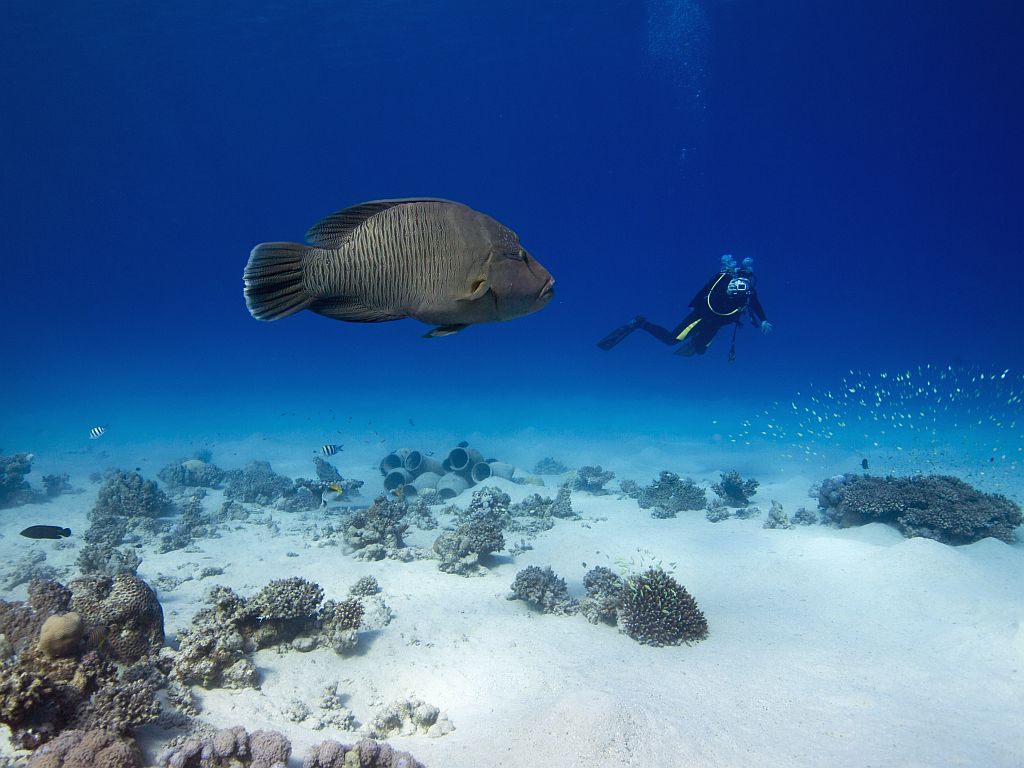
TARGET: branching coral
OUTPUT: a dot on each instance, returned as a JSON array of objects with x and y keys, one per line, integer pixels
[
  {"x": 543, "y": 589},
  {"x": 734, "y": 490},
  {"x": 604, "y": 595},
  {"x": 670, "y": 494},
  {"x": 14, "y": 489},
  {"x": 592, "y": 479},
  {"x": 382, "y": 524},
  {"x": 460, "y": 550},
  {"x": 657, "y": 610},
  {"x": 934, "y": 506}
]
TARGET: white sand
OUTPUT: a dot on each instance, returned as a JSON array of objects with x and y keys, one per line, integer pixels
[{"x": 826, "y": 647}]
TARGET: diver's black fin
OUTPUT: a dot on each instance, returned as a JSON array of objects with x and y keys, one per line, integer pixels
[
  {"x": 617, "y": 335},
  {"x": 686, "y": 349}
]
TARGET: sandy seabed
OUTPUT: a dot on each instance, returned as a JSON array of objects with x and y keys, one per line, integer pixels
[{"x": 852, "y": 647}]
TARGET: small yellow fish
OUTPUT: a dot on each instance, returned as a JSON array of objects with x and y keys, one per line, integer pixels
[{"x": 336, "y": 488}]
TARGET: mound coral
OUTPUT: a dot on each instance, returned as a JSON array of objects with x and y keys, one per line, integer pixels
[
  {"x": 229, "y": 748},
  {"x": 191, "y": 473},
  {"x": 126, "y": 494},
  {"x": 256, "y": 484},
  {"x": 87, "y": 749},
  {"x": 364, "y": 754},
  {"x": 122, "y": 613},
  {"x": 60, "y": 634},
  {"x": 126, "y": 502}
]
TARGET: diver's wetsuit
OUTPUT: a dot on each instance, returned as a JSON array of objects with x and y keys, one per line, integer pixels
[{"x": 711, "y": 309}]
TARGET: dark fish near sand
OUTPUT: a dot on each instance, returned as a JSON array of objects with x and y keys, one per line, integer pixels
[
  {"x": 864, "y": 464},
  {"x": 46, "y": 532},
  {"x": 434, "y": 260}
]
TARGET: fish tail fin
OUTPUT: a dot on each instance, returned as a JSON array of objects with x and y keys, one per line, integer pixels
[{"x": 273, "y": 280}]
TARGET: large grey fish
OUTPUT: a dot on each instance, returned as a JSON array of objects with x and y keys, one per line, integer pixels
[{"x": 435, "y": 260}]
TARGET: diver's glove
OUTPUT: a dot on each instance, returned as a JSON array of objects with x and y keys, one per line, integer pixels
[{"x": 766, "y": 327}]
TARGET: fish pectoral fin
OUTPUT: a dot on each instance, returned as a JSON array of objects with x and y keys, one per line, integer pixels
[
  {"x": 445, "y": 330},
  {"x": 334, "y": 230},
  {"x": 351, "y": 310},
  {"x": 480, "y": 287}
]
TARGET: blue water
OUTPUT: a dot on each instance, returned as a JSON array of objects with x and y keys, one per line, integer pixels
[{"x": 865, "y": 155}]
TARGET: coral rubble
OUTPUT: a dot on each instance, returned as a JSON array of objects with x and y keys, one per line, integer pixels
[{"x": 407, "y": 717}]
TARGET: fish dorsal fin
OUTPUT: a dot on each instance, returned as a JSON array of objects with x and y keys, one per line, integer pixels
[{"x": 334, "y": 230}]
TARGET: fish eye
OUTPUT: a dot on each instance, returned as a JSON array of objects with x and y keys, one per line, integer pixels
[{"x": 523, "y": 255}]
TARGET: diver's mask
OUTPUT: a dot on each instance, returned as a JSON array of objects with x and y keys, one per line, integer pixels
[{"x": 737, "y": 286}]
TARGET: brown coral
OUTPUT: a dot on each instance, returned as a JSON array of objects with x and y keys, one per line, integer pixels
[{"x": 60, "y": 634}]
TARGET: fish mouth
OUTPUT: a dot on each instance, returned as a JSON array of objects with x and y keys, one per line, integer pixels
[{"x": 548, "y": 290}]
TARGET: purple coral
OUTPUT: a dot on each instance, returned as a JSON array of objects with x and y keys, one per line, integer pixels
[
  {"x": 366, "y": 753},
  {"x": 86, "y": 749},
  {"x": 229, "y": 746}
]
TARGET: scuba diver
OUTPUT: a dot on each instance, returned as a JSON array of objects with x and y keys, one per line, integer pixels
[{"x": 722, "y": 301}]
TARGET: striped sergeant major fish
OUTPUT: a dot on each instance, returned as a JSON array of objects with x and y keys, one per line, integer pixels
[
  {"x": 329, "y": 449},
  {"x": 97, "y": 432}
]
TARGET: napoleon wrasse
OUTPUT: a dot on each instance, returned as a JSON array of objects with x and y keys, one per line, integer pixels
[{"x": 437, "y": 261}]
